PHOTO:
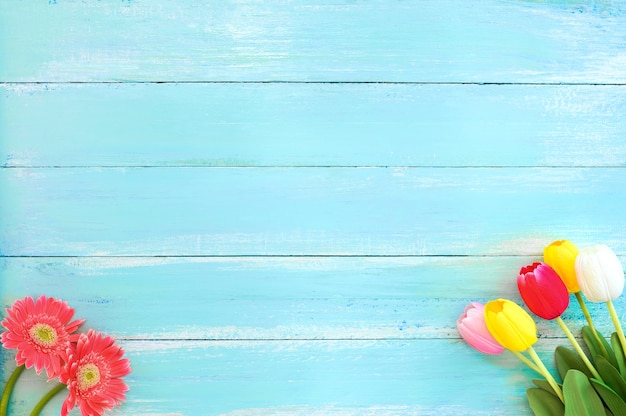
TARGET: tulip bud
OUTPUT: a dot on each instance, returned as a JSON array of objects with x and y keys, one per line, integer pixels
[
  {"x": 561, "y": 255},
  {"x": 599, "y": 273},
  {"x": 543, "y": 290},
  {"x": 510, "y": 325},
  {"x": 471, "y": 325}
]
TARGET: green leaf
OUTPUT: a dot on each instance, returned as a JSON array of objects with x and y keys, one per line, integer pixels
[
  {"x": 544, "y": 385},
  {"x": 594, "y": 347},
  {"x": 543, "y": 403},
  {"x": 619, "y": 354},
  {"x": 610, "y": 398},
  {"x": 611, "y": 376},
  {"x": 567, "y": 359},
  {"x": 580, "y": 397}
]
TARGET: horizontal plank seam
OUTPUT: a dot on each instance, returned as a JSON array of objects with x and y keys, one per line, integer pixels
[
  {"x": 319, "y": 82},
  {"x": 131, "y": 339},
  {"x": 399, "y": 339},
  {"x": 192, "y": 166},
  {"x": 261, "y": 256}
]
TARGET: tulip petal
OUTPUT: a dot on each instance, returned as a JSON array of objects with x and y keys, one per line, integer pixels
[
  {"x": 510, "y": 325},
  {"x": 561, "y": 256},
  {"x": 600, "y": 274},
  {"x": 472, "y": 328},
  {"x": 479, "y": 341},
  {"x": 543, "y": 291}
]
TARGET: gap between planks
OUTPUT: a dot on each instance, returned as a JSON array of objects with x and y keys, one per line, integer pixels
[
  {"x": 195, "y": 166},
  {"x": 319, "y": 82}
]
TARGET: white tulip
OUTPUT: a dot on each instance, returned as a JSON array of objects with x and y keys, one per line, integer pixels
[{"x": 599, "y": 273}]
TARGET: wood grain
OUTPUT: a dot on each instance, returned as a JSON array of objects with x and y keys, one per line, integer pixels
[
  {"x": 311, "y": 125},
  {"x": 294, "y": 298},
  {"x": 428, "y": 41},
  {"x": 281, "y": 208},
  {"x": 344, "y": 377},
  {"x": 308, "y": 211}
]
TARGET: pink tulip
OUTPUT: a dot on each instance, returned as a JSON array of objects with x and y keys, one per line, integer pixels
[{"x": 471, "y": 325}]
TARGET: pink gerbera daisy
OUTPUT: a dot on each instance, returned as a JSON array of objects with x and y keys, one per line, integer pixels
[
  {"x": 41, "y": 332},
  {"x": 93, "y": 374}
]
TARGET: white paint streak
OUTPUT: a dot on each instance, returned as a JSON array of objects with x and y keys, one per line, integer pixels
[
  {"x": 144, "y": 414},
  {"x": 260, "y": 263},
  {"x": 360, "y": 411},
  {"x": 301, "y": 332},
  {"x": 525, "y": 246},
  {"x": 28, "y": 89}
]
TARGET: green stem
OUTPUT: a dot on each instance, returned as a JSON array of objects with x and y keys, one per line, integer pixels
[
  {"x": 526, "y": 361},
  {"x": 8, "y": 389},
  {"x": 616, "y": 323},
  {"x": 546, "y": 373},
  {"x": 45, "y": 399},
  {"x": 579, "y": 350},
  {"x": 583, "y": 307}
]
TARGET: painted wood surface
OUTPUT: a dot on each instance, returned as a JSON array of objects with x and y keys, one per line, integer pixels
[
  {"x": 295, "y": 298},
  {"x": 336, "y": 335},
  {"x": 281, "y": 208},
  {"x": 279, "y": 124},
  {"x": 307, "y": 211},
  {"x": 346, "y": 41}
]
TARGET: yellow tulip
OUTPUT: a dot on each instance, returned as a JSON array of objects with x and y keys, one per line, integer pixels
[
  {"x": 510, "y": 325},
  {"x": 561, "y": 256}
]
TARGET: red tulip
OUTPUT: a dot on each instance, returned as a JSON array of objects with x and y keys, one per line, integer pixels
[{"x": 543, "y": 291}]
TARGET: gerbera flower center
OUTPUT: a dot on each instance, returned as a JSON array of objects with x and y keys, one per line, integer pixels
[
  {"x": 43, "y": 335},
  {"x": 88, "y": 376}
]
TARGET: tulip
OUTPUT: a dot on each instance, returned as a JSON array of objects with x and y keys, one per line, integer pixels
[
  {"x": 516, "y": 331},
  {"x": 471, "y": 325},
  {"x": 546, "y": 296},
  {"x": 601, "y": 278},
  {"x": 600, "y": 274},
  {"x": 561, "y": 255},
  {"x": 510, "y": 325},
  {"x": 543, "y": 291}
]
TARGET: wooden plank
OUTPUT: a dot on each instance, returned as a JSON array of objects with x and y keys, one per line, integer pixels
[
  {"x": 401, "y": 377},
  {"x": 286, "y": 281},
  {"x": 307, "y": 211},
  {"x": 257, "y": 298},
  {"x": 311, "y": 124},
  {"x": 426, "y": 41}
]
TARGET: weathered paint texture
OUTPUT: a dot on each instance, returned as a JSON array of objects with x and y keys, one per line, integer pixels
[{"x": 281, "y": 208}]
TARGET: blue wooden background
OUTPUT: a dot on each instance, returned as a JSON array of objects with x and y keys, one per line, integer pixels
[{"x": 281, "y": 208}]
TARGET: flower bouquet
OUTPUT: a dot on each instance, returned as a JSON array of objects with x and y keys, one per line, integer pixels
[
  {"x": 90, "y": 366},
  {"x": 593, "y": 381}
]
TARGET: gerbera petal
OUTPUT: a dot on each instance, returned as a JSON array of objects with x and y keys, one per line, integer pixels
[
  {"x": 29, "y": 362},
  {"x": 65, "y": 313},
  {"x": 54, "y": 370},
  {"x": 68, "y": 404},
  {"x": 38, "y": 306},
  {"x": 120, "y": 368},
  {"x": 35, "y": 328},
  {"x": 27, "y": 303},
  {"x": 111, "y": 351},
  {"x": 94, "y": 373},
  {"x": 73, "y": 326}
]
